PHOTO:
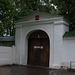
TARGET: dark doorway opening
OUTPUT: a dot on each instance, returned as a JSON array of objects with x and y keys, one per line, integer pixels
[{"x": 38, "y": 49}]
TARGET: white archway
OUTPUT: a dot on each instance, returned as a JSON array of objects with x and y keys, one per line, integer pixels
[{"x": 45, "y": 36}]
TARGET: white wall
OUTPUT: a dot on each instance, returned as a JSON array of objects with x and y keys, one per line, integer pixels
[
  {"x": 69, "y": 51},
  {"x": 18, "y": 44},
  {"x": 7, "y": 55},
  {"x": 59, "y": 31}
]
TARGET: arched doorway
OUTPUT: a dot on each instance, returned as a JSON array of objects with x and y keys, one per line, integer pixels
[{"x": 38, "y": 49}]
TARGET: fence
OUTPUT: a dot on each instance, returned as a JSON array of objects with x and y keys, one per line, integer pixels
[{"x": 7, "y": 55}]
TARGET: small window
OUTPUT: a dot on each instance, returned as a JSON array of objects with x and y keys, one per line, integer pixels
[{"x": 37, "y": 17}]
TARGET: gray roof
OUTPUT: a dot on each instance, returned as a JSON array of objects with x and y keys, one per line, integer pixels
[
  {"x": 7, "y": 38},
  {"x": 42, "y": 15},
  {"x": 69, "y": 34}
]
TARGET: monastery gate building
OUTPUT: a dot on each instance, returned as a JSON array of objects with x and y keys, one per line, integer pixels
[{"x": 43, "y": 39}]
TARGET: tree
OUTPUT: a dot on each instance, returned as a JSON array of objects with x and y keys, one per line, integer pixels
[
  {"x": 67, "y": 9},
  {"x": 24, "y": 7},
  {"x": 12, "y": 10},
  {"x": 7, "y": 11}
]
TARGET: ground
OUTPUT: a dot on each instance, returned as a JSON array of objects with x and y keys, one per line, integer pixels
[{"x": 30, "y": 70}]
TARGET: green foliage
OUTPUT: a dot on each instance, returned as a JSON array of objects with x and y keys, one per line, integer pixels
[
  {"x": 22, "y": 8},
  {"x": 7, "y": 11},
  {"x": 67, "y": 9},
  {"x": 12, "y": 10}
]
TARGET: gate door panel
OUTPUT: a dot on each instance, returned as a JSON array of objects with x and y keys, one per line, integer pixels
[{"x": 38, "y": 51}]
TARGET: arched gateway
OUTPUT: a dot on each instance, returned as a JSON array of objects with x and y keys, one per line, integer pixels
[
  {"x": 38, "y": 49},
  {"x": 35, "y": 47}
]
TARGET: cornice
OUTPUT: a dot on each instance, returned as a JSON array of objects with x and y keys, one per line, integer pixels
[{"x": 56, "y": 21}]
